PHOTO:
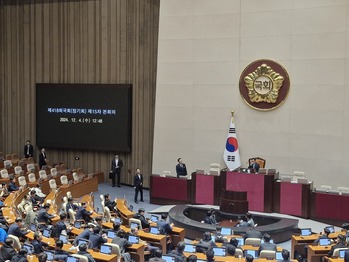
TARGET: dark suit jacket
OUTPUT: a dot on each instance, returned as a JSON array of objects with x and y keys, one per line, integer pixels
[
  {"x": 255, "y": 166},
  {"x": 164, "y": 227},
  {"x": 7, "y": 252},
  {"x": 16, "y": 231},
  {"x": 181, "y": 170},
  {"x": 122, "y": 242},
  {"x": 82, "y": 213},
  {"x": 267, "y": 246},
  {"x": 116, "y": 169},
  {"x": 137, "y": 181},
  {"x": 31, "y": 151},
  {"x": 339, "y": 245},
  {"x": 96, "y": 240},
  {"x": 145, "y": 223},
  {"x": 42, "y": 159},
  {"x": 253, "y": 234}
]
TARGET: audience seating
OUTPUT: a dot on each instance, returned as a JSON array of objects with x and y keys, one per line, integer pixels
[
  {"x": 22, "y": 181},
  {"x": 253, "y": 241},
  {"x": 115, "y": 250},
  {"x": 135, "y": 220},
  {"x": 268, "y": 254},
  {"x": 4, "y": 174}
]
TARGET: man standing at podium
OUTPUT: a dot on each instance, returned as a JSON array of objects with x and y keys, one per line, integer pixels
[{"x": 181, "y": 169}]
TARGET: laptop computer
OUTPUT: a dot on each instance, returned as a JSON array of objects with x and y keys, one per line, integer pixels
[
  {"x": 154, "y": 218},
  {"x": 342, "y": 253},
  {"x": 324, "y": 241},
  {"x": 50, "y": 255},
  {"x": 33, "y": 227},
  {"x": 306, "y": 232},
  {"x": 84, "y": 241},
  {"x": 111, "y": 234},
  {"x": 64, "y": 238},
  {"x": 190, "y": 248},
  {"x": 133, "y": 239},
  {"x": 226, "y": 231},
  {"x": 154, "y": 230},
  {"x": 278, "y": 255},
  {"x": 241, "y": 241},
  {"x": 72, "y": 259},
  {"x": 331, "y": 229},
  {"x": 29, "y": 248},
  {"x": 168, "y": 258},
  {"x": 117, "y": 220},
  {"x": 133, "y": 225},
  {"x": 219, "y": 251},
  {"x": 253, "y": 253},
  {"x": 46, "y": 233},
  {"x": 77, "y": 224},
  {"x": 105, "y": 249}
]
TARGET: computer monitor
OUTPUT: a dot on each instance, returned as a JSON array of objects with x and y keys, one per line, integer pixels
[
  {"x": 226, "y": 231},
  {"x": 219, "y": 251},
  {"x": 168, "y": 258},
  {"x": 133, "y": 239},
  {"x": 29, "y": 248},
  {"x": 83, "y": 241},
  {"x": 305, "y": 231},
  {"x": 342, "y": 253},
  {"x": 331, "y": 228},
  {"x": 154, "y": 230},
  {"x": 190, "y": 248},
  {"x": 64, "y": 238},
  {"x": 46, "y": 233},
  {"x": 33, "y": 227},
  {"x": 241, "y": 241},
  {"x": 106, "y": 249},
  {"x": 253, "y": 253},
  {"x": 72, "y": 259},
  {"x": 278, "y": 255},
  {"x": 111, "y": 234},
  {"x": 77, "y": 224},
  {"x": 117, "y": 220},
  {"x": 324, "y": 241},
  {"x": 154, "y": 218},
  {"x": 133, "y": 225},
  {"x": 50, "y": 255}
]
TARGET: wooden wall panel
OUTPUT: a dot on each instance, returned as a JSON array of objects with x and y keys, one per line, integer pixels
[{"x": 86, "y": 41}]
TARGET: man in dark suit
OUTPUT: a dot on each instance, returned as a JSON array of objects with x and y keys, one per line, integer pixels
[
  {"x": 42, "y": 158},
  {"x": 116, "y": 165},
  {"x": 121, "y": 240},
  {"x": 253, "y": 233},
  {"x": 285, "y": 256},
  {"x": 28, "y": 150},
  {"x": 141, "y": 217},
  {"x": 138, "y": 184},
  {"x": 15, "y": 229},
  {"x": 341, "y": 243},
  {"x": 267, "y": 245},
  {"x": 181, "y": 169},
  {"x": 254, "y": 165},
  {"x": 44, "y": 216},
  {"x": 96, "y": 239},
  {"x": 82, "y": 213}
]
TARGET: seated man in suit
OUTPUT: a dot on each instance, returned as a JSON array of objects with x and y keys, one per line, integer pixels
[
  {"x": 12, "y": 186},
  {"x": 16, "y": 229},
  {"x": 324, "y": 234},
  {"x": 285, "y": 256},
  {"x": 341, "y": 243},
  {"x": 141, "y": 217},
  {"x": 254, "y": 165},
  {"x": 38, "y": 244},
  {"x": 96, "y": 238},
  {"x": 163, "y": 225},
  {"x": 44, "y": 216},
  {"x": 267, "y": 245},
  {"x": 253, "y": 233},
  {"x": 60, "y": 254},
  {"x": 82, "y": 213},
  {"x": 205, "y": 243},
  {"x": 83, "y": 251}
]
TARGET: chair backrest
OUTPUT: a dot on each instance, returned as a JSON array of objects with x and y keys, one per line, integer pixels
[
  {"x": 253, "y": 241},
  {"x": 18, "y": 170},
  {"x": 326, "y": 188},
  {"x": 22, "y": 181},
  {"x": 31, "y": 178},
  {"x": 30, "y": 167},
  {"x": 115, "y": 249},
  {"x": 166, "y": 173},
  {"x": 81, "y": 257},
  {"x": 107, "y": 214},
  {"x": 16, "y": 243},
  {"x": 15, "y": 157},
  {"x": 64, "y": 180},
  {"x": 30, "y": 160},
  {"x": 238, "y": 252},
  {"x": 75, "y": 177},
  {"x": 267, "y": 254},
  {"x": 7, "y": 163},
  {"x": 53, "y": 172},
  {"x": 69, "y": 194},
  {"x": 72, "y": 216},
  {"x": 8, "y": 157},
  {"x": 336, "y": 251},
  {"x": 42, "y": 174},
  {"x": 4, "y": 173},
  {"x": 215, "y": 167},
  {"x": 260, "y": 161},
  {"x": 135, "y": 220},
  {"x": 53, "y": 184}
]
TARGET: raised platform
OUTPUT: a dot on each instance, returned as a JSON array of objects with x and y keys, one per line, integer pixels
[{"x": 190, "y": 217}]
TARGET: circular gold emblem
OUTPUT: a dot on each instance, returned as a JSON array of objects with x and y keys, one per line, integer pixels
[{"x": 264, "y": 84}]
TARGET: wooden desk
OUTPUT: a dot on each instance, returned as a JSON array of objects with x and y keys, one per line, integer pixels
[
  {"x": 125, "y": 213},
  {"x": 315, "y": 252},
  {"x": 11, "y": 203}
]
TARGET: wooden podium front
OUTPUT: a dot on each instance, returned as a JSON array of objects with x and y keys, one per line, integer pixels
[{"x": 234, "y": 202}]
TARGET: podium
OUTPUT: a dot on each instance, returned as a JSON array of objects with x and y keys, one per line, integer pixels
[{"x": 234, "y": 202}]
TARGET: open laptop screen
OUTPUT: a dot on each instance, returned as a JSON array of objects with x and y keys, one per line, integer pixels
[
  {"x": 305, "y": 231},
  {"x": 105, "y": 249},
  {"x": 218, "y": 251},
  {"x": 324, "y": 241},
  {"x": 226, "y": 231},
  {"x": 189, "y": 248},
  {"x": 154, "y": 230}
]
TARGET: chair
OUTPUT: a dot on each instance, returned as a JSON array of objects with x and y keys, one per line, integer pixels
[
  {"x": 80, "y": 257},
  {"x": 18, "y": 170},
  {"x": 343, "y": 189},
  {"x": 64, "y": 180},
  {"x": 31, "y": 178},
  {"x": 135, "y": 220},
  {"x": 52, "y": 184},
  {"x": 239, "y": 253},
  {"x": 76, "y": 177},
  {"x": 54, "y": 172},
  {"x": 268, "y": 254},
  {"x": 337, "y": 250},
  {"x": 43, "y": 174},
  {"x": 16, "y": 243},
  {"x": 260, "y": 161},
  {"x": 8, "y": 157},
  {"x": 21, "y": 181},
  {"x": 4, "y": 174},
  {"x": 15, "y": 158},
  {"x": 31, "y": 168},
  {"x": 115, "y": 249},
  {"x": 64, "y": 204},
  {"x": 7, "y": 163},
  {"x": 298, "y": 174},
  {"x": 106, "y": 214},
  {"x": 30, "y": 160},
  {"x": 215, "y": 169},
  {"x": 166, "y": 173},
  {"x": 72, "y": 216},
  {"x": 253, "y": 241}
]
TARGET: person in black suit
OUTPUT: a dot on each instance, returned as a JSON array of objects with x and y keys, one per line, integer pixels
[
  {"x": 82, "y": 213},
  {"x": 44, "y": 216},
  {"x": 254, "y": 165},
  {"x": 141, "y": 217},
  {"x": 181, "y": 169},
  {"x": 42, "y": 158},
  {"x": 341, "y": 243},
  {"x": 96, "y": 239},
  {"x": 28, "y": 150},
  {"x": 285, "y": 256},
  {"x": 138, "y": 184},
  {"x": 266, "y": 245},
  {"x": 116, "y": 165},
  {"x": 253, "y": 233},
  {"x": 15, "y": 229}
]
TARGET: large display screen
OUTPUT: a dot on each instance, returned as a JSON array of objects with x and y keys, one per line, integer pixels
[{"x": 84, "y": 116}]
